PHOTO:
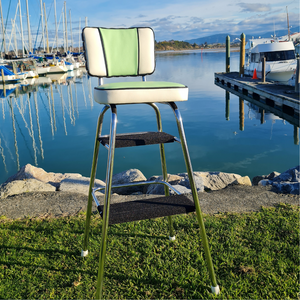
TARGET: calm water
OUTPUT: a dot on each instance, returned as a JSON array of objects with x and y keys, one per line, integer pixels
[{"x": 52, "y": 126}]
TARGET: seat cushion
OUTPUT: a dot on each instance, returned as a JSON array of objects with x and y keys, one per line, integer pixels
[{"x": 140, "y": 92}]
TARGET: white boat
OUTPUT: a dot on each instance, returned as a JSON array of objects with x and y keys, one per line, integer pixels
[
  {"x": 42, "y": 70},
  {"x": 57, "y": 67},
  {"x": 280, "y": 59}
]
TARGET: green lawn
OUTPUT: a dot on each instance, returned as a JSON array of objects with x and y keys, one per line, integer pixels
[{"x": 256, "y": 256}]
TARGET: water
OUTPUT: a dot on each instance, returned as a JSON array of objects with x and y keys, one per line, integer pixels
[{"x": 52, "y": 126}]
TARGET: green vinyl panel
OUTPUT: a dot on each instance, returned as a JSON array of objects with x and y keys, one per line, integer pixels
[{"x": 121, "y": 51}]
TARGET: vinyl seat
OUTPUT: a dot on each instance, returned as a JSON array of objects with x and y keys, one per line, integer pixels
[{"x": 140, "y": 92}]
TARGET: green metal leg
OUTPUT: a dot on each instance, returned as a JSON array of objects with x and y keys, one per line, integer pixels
[
  {"x": 164, "y": 168},
  {"x": 84, "y": 252},
  {"x": 109, "y": 174},
  {"x": 214, "y": 287}
]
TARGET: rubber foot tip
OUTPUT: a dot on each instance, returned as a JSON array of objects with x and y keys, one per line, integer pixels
[
  {"x": 172, "y": 238},
  {"x": 84, "y": 253},
  {"x": 215, "y": 290}
]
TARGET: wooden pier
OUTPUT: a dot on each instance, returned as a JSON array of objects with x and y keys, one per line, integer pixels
[{"x": 281, "y": 98}]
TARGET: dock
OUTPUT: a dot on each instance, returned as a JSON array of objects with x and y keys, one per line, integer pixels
[{"x": 281, "y": 99}]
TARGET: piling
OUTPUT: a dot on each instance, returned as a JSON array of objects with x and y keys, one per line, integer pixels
[
  {"x": 3, "y": 78},
  {"x": 242, "y": 54},
  {"x": 263, "y": 69},
  {"x": 297, "y": 77},
  {"x": 227, "y": 54}
]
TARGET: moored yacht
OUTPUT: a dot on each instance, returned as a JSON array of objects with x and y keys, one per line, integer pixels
[{"x": 280, "y": 59}]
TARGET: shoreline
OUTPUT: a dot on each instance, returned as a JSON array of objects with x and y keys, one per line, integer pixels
[{"x": 204, "y": 50}]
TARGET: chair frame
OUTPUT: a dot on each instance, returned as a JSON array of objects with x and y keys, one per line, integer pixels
[{"x": 109, "y": 186}]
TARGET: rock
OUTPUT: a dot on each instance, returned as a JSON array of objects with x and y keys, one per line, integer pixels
[
  {"x": 158, "y": 189},
  {"x": 199, "y": 182},
  {"x": 217, "y": 180},
  {"x": 132, "y": 175},
  {"x": 286, "y": 182},
  {"x": 243, "y": 181},
  {"x": 257, "y": 179},
  {"x": 28, "y": 171},
  {"x": 291, "y": 175},
  {"x": 79, "y": 185},
  {"x": 264, "y": 182},
  {"x": 24, "y": 186}
]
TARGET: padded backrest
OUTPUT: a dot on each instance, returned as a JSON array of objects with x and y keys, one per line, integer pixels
[{"x": 119, "y": 52}]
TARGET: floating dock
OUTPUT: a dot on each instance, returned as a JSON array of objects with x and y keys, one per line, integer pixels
[{"x": 283, "y": 98}]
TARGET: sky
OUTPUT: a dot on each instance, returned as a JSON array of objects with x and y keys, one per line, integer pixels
[{"x": 170, "y": 19}]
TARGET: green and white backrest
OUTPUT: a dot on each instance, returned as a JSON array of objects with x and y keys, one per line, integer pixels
[
  {"x": 114, "y": 52},
  {"x": 119, "y": 52}
]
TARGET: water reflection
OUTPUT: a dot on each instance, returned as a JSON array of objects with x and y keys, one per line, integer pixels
[
  {"x": 262, "y": 112},
  {"x": 33, "y": 109}
]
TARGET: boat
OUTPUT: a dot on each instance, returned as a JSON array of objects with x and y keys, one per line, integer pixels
[
  {"x": 8, "y": 76},
  {"x": 280, "y": 59}
]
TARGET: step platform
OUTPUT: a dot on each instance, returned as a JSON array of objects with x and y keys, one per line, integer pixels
[
  {"x": 139, "y": 139},
  {"x": 148, "y": 208}
]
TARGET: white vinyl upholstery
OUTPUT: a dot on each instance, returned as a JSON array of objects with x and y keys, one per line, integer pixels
[
  {"x": 94, "y": 55},
  {"x": 144, "y": 92},
  {"x": 146, "y": 50}
]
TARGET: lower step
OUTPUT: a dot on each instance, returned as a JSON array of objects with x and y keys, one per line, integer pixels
[{"x": 148, "y": 208}]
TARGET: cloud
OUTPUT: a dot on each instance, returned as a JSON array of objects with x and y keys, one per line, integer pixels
[{"x": 254, "y": 7}]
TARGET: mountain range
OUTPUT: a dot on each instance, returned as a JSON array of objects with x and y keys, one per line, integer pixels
[{"x": 221, "y": 38}]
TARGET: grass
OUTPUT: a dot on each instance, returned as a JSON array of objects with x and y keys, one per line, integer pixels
[{"x": 256, "y": 256}]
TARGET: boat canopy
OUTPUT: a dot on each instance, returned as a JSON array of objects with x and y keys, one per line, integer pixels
[{"x": 6, "y": 71}]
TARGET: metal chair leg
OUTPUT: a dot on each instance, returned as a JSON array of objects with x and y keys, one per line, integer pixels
[
  {"x": 164, "y": 168},
  {"x": 109, "y": 174},
  {"x": 214, "y": 287},
  {"x": 84, "y": 252}
]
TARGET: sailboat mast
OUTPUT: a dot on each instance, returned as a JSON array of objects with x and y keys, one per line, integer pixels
[
  {"x": 46, "y": 28},
  {"x": 42, "y": 19},
  {"x": 79, "y": 35},
  {"x": 56, "y": 33},
  {"x": 3, "y": 30},
  {"x": 288, "y": 23},
  {"x": 28, "y": 25},
  {"x": 66, "y": 26},
  {"x": 71, "y": 48},
  {"x": 21, "y": 28}
]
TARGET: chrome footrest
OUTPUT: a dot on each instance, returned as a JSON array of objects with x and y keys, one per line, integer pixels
[
  {"x": 139, "y": 139},
  {"x": 148, "y": 208}
]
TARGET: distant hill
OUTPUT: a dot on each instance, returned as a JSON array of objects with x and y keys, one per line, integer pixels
[{"x": 221, "y": 38}]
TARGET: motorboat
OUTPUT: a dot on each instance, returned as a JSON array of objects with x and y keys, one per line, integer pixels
[{"x": 280, "y": 59}]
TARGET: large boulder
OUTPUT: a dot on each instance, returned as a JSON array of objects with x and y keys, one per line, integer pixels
[
  {"x": 28, "y": 171},
  {"x": 24, "y": 186},
  {"x": 287, "y": 182},
  {"x": 204, "y": 181},
  {"x": 80, "y": 185},
  {"x": 129, "y": 176}
]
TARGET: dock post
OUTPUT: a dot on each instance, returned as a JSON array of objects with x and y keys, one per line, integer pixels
[
  {"x": 3, "y": 78},
  {"x": 242, "y": 54},
  {"x": 227, "y": 112},
  {"x": 297, "y": 78},
  {"x": 227, "y": 54},
  {"x": 263, "y": 69}
]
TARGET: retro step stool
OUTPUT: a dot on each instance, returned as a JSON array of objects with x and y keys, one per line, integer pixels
[{"x": 130, "y": 52}]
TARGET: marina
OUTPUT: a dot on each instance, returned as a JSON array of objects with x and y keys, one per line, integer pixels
[{"x": 50, "y": 121}]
